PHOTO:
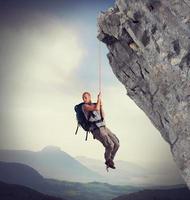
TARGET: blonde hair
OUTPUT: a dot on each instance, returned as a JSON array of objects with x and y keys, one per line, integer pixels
[{"x": 86, "y": 93}]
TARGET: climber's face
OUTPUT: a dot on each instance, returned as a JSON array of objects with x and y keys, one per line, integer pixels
[{"x": 86, "y": 97}]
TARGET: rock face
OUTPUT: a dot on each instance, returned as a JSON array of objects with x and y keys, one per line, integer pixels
[{"x": 149, "y": 52}]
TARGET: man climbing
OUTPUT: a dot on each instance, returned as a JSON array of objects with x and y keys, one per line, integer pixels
[{"x": 94, "y": 113}]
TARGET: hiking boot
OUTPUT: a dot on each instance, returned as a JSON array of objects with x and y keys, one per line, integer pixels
[{"x": 110, "y": 164}]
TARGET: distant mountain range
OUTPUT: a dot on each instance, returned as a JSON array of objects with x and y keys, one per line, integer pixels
[
  {"x": 126, "y": 172},
  {"x": 164, "y": 194},
  {"x": 52, "y": 162},
  {"x": 18, "y": 192},
  {"x": 23, "y": 175},
  {"x": 16, "y": 173},
  {"x": 133, "y": 174}
]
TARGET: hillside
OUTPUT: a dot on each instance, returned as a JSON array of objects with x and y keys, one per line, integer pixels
[
  {"x": 164, "y": 194},
  {"x": 52, "y": 162},
  {"x": 24, "y": 175},
  {"x": 18, "y": 192}
]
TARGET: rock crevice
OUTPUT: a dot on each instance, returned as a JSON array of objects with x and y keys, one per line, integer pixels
[{"x": 149, "y": 52}]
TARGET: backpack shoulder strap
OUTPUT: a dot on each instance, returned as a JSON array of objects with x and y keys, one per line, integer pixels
[
  {"x": 90, "y": 113},
  {"x": 80, "y": 104}
]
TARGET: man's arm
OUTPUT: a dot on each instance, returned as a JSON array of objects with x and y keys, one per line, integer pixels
[
  {"x": 102, "y": 112},
  {"x": 93, "y": 107}
]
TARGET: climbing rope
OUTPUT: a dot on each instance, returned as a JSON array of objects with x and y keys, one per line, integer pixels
[{"x": 100, "y": 66}]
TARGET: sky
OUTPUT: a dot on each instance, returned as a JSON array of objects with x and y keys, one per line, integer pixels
[{"x": 48, "y": 58}]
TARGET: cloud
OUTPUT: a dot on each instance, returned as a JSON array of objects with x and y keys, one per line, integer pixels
[
  {"x": 40, "y": 57},
  {"x": 50, "y": 54},
  {"x": 38, "y": 64}
]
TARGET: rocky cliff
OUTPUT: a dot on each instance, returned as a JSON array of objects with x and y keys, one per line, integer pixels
[{"x": 149, "y": 52}]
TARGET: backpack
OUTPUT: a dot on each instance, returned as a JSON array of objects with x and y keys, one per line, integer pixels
[{"x": 81, "y": 119}]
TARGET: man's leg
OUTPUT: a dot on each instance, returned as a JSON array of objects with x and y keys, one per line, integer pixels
[
  {"x": 102, "y": 135},
  {"x": 115, "y": 140}
]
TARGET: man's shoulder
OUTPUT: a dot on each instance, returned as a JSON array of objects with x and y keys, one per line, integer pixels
[{"x": 87, "y": 104}]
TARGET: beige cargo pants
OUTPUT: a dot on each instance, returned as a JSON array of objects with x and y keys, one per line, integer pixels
[{"x": 109, "y": 141}]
